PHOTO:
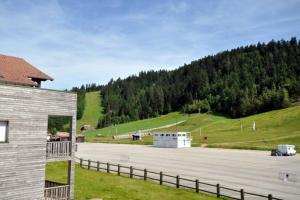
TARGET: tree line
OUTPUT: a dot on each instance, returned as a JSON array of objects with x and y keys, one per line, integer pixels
[{"x": 236, "y": 83}]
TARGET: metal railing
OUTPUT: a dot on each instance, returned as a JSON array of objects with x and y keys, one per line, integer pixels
[
  {"x": 58, "y": 149},
  {"x": 56, "y": 191},
  {"x": 177, "y": 181}
]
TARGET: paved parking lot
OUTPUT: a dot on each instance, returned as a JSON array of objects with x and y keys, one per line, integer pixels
[{"x": 254, "y": 171}]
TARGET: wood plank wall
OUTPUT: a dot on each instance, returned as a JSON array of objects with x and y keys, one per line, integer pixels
[{"x": 23, "y": 157}]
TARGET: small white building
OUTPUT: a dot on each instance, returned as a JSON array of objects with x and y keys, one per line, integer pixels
[{"x": 172, "y": 139}]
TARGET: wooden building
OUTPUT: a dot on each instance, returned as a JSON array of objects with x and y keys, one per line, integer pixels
[{"x": 24, "y": 150}]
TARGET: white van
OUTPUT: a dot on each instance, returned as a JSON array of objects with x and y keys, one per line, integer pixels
[{"x": 286, "y": 149}]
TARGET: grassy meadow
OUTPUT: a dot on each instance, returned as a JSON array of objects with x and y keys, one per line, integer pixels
[
  {"x": 160, "y": 121},
  {"x": 92, "y": 110},
  {"x": 272, "y": 128},
  {"x": 92, "y": 184}
]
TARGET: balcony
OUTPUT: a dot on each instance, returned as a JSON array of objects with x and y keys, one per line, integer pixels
[
  {"x": 58, "y": 151},
  {"x": 56, "y": 191}
]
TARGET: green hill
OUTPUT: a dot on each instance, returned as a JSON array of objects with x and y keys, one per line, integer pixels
[
  {"x": 92, "y": 110},
  {"x": 164, "y": 120},
  {"x": 272, "y": 128}
]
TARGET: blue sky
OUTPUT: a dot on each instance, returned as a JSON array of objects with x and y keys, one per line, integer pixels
[{"x": 79, "y": 42}]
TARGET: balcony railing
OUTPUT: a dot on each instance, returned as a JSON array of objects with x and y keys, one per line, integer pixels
[
  {"x": 58, "y": 149},
  {"x": 56, "y": 191}
]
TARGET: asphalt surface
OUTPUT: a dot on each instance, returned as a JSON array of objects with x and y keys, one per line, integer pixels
[{"x": 254, "y": 171}]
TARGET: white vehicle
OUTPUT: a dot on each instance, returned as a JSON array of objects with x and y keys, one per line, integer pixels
[
  {"x": 286, "y": 149},
  {"x": 172, "y": 139}
]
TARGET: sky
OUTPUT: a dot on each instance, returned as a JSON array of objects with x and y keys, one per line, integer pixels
[{"x": 79, "y": 42}]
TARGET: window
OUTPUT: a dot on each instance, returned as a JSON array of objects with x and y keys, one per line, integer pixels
[
  {"x": 168, "y": 135},
  {"x": 173, "y": 135},
  {"x": 161, "y": 134},
  {"x": 3, "y": 131}
]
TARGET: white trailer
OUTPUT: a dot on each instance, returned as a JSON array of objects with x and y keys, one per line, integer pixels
[
  {"x": 286, "y": 149},
  {"x": 172, "y": 139}
]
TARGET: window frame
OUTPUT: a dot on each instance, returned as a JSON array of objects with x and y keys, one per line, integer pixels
[{"x": 6, "y": 131}]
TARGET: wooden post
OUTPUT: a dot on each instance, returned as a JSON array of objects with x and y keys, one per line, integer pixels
[
  {"x": 218, "y": 190},
  {"x": 80, "y": 162},
  {"x": 89, "y": 164},
  {"x": 177, "y": 181},
  {"x": 98, "y": 165},
  {"x": 119, "y": 169},
  {"x": 131, "y": 172},
  {"x": 242, "y": 195},
  {"x": 107, "y": 169},
  {"x": 197, "y": 185},
  {"x": 145, "y": 174},
  {"x": 161, "y": 178},
  {"x": 270, "y": 197}
]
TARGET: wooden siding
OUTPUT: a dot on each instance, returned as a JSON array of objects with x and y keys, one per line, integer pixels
[{"x": 23, "y": 158}]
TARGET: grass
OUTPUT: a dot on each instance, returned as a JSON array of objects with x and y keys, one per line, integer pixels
[
  {"x": 92, "y": 111},
  {"x": 272, "y": 128},
  {"x": 163, "y": 120},
  {"x": 92, "y": 184}
]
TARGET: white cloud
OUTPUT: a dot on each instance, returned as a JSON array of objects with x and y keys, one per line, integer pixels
[{"x": 76, "y": 50}]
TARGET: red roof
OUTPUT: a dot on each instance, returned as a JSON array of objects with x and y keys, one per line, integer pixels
[{"x": 18, "y": 71}]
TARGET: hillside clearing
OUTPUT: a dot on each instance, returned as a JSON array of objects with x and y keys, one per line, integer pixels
[
  {"x": 163, "y": 120},
  {"x": 272, "y": 128},
  {"x": 92, "y": 111}
]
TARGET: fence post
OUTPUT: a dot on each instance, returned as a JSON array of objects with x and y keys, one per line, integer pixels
[
  {"x": 145, "y": 174},
  {"x": 131, "y": 172},
  {"x": 218, "y": 190},
  {"x": 160, "y": 178},
  {"x": 80, "y": 162},
  {"x": 98, "y": 165},
  {"x": 177, "y": 181},
  {"x": 270, "y": 197},
  {"x": 197, "y": 185},
  {"x": 107, "y": 169},
  {"x": 242, "y": 195},
  {"x": 119, "y": 169},
  {"x": 89, "y": 164}
]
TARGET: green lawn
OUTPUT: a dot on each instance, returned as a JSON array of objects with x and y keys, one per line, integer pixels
[
  {"x": 92, "y": 184},
  {"x": 92, "y": 110},
  {"x": 272, "y": 128},
  {"x": 163, "y": 120}
]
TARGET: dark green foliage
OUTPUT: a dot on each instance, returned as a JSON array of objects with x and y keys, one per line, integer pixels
[
  {"x": 80, "y": 99},
  {"x": 57, "y": 123},
  {"x": 236, "y": 83}
]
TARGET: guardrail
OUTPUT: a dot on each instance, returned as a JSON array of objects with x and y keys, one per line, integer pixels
[
  {"x": 178, "y": 181},
  {"x": 58, "y": 149}
]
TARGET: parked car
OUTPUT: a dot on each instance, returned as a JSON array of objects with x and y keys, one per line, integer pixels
[{"x": 284, "y": 150}]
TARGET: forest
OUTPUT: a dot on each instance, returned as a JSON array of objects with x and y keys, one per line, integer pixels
[{"x": 236, "y": 83}]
